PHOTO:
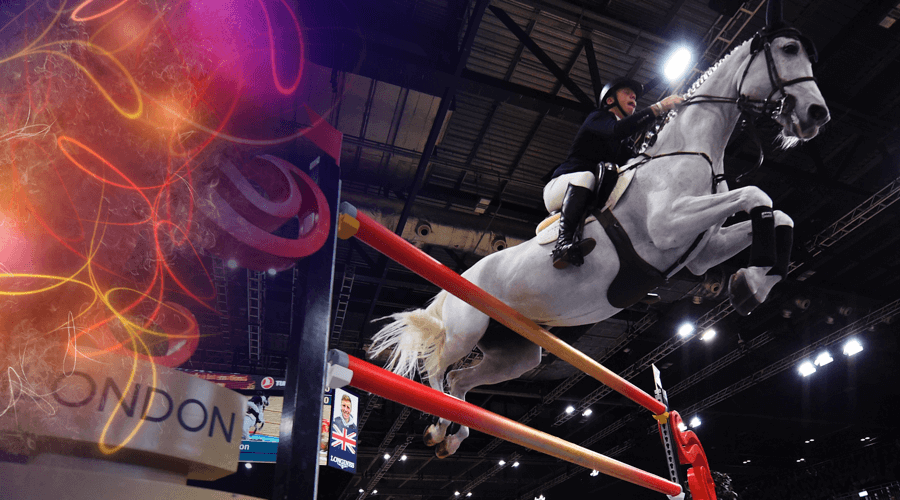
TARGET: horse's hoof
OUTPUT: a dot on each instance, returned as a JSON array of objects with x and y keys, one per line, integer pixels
[
  {"x": 428, "y": 438},
  {"x": 441, "y": 451},
  {"x": 742, "y": 298}
]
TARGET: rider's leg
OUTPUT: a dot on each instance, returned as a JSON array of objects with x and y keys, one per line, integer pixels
[{"x": 573, "y": 203}]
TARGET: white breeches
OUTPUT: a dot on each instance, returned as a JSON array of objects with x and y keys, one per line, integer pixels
[{"x": 555, "y": 190}]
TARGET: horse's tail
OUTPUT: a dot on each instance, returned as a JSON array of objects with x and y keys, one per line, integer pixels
[{"x": 415, "y": 338}]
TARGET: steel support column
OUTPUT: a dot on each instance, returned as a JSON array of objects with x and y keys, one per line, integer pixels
[{"x": 297, "y": 463}]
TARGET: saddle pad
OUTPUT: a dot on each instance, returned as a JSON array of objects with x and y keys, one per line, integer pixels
[{"x": 625, "y": 177}]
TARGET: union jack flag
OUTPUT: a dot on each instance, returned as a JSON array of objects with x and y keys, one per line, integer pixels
[{"x": 339, "y": 437}]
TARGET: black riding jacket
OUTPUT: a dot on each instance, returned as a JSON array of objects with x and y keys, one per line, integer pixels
[{"x": 603, "y": 138}]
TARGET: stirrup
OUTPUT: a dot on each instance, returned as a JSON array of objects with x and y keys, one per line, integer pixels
[{"x": 573, "y": 253}]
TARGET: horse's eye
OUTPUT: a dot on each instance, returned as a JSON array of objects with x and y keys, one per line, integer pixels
[{"x": 791, "y": 48}]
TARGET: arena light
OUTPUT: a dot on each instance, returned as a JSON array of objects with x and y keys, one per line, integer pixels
[
  {"x": 456, "y": 493},
  {"x": 677, "y": 64},
  {"x": 823, "y": 359},
  {"x": 595, "y": 473},
  {"x": 806, "y": 369},
  {"x": 570, "y": 409},
  {"x": 587, "y": 413},
  {"x": 695, "y": 422},
  {"x": 502, "y": 462},
  {"x": 272, "y": 271},
  {"x": 515, "y": 464},
  {"x": 682, "y": 427},
  {"x": 248, "y": 465},
  {"x": 746, "y": 461},
  {"x": 852, "y": 347},
  {"x": 387, "y": 456},
  {"x": 232, "y": 264},
  {"x": 863, "y": 493},
  {"x": 685, "y": 329},
  {"x": 801, "y": 460},
  {"x": 403, "y": 458},
  {"x": 469, "y": 494},
  {"x": 708, "y": 335},
  {"x": 361, "y": 490},
  {"x": 374, "y": 492}
]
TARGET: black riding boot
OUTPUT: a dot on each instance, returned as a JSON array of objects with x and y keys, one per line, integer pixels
[{"x": 570, "y": 248}]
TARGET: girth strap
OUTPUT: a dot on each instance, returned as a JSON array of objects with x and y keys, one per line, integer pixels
[{"x": 635, "y": 277}]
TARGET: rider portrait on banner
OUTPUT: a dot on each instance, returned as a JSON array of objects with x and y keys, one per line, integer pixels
[
  {"x": 345, "y": 419},
  {"x": 604, "y": 141}
]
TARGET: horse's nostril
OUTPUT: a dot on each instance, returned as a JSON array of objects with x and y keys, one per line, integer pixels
[{"x": 818, "y": 113}]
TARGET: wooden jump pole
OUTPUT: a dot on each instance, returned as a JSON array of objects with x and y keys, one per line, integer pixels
[
  {"x": 370, "y": 378},
  {"x": 354, "y": 223}
]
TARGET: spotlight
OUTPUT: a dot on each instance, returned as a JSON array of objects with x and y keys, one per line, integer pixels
[
  {"x": 823, "y": 359},
  {"x": 695, "y": 422},
  {"x": 806, "y": 369},
  {"x": 685, "y": 329},
  {"x": 809, "y": 441},
  {"x": 456, "y": 493},
  {"x": 469, "y": 494},
  {"x": 587, "y": 413},
  {"x": 248, "y": 465},
  {"x": 801, "y": 460},
  {"x": 595, "y": 473},
  {"x": 677, "y": 64},
  {"x": 387, "y": 456},
  {"x": 403, "y": 458},
  {"x": 232, "y": 264},
  {"x": 515, "y": 464},
  {"x": 272, "y": 272},
  {"x": 502, "y": 462},
  {"x": 361, "y": 490},
  {"x": 570, "y": 410},
  {"x": 708, "y": 334},
  {"x": 682, "y": 427},
  {"x": 863, "y": 493},
  {"x": 852, "y": 347},
  {"x": 374, "y": 492},
  {"x": 746, "y": 461}
]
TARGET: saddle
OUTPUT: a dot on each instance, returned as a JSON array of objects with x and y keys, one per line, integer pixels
[{"x": 635, "y": 277}]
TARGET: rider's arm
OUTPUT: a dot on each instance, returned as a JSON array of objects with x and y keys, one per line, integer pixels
[
  {"x": 629, "y": 125},
  {"x": 604, "y": 123}
]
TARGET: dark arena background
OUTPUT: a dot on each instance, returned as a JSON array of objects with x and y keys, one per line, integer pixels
[{"x": 168, "y": 193}]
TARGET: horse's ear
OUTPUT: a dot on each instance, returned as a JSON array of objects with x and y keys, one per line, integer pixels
[{"x": 774, "y": 14}]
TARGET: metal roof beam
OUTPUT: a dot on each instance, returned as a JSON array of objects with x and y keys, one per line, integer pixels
[{"x": 542, "y": 56}]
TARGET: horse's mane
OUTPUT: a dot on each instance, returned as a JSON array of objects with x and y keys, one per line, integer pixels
[{"x": 693, "y": 89}]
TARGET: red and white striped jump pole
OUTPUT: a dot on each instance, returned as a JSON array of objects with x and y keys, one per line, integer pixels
[
  {"x": 354, "y": 223},
  {"x": 368, "y": 377}
]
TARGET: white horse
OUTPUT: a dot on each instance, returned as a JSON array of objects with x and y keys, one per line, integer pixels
[{"x": 671, "y": 200}]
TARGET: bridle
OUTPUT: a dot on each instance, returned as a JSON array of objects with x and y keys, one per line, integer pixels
[
  {"x": 762, "y": 43},
  {"x": 752, "y": 108}
]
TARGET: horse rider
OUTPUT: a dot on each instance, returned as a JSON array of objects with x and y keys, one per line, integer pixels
[{"x": 605, "y": 140}]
